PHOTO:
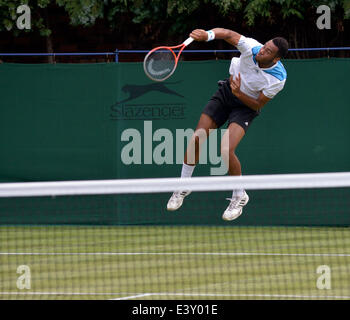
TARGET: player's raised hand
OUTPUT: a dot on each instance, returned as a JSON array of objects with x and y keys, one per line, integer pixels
[
  {"x": 199, "y": 35},
  {"x": 235, "y": 84}
]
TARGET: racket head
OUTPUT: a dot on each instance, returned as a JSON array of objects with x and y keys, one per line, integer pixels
[{"x": 160, "y": 63}]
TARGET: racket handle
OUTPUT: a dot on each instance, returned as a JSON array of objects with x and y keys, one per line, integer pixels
[{"x": 188, "y": 41}]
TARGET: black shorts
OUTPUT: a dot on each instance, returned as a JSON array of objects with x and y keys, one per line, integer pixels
[{"x": 224, "y": 105}]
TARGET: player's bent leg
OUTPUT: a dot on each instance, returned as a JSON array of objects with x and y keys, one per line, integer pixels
[
  {"x": 205, "y": 124},
  {"x": 230, "y": 141}
]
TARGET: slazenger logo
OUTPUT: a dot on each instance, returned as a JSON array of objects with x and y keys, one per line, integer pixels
[{"x": 124, "y": 110}]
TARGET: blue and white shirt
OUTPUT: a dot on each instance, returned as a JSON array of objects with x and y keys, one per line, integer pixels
[{"x": 254, "y": 79}]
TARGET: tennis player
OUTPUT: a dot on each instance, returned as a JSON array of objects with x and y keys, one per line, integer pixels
[{"x": 255, "y": 78}]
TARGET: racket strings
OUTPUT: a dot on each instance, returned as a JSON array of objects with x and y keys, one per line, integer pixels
[{"x": 160, "y": 64}]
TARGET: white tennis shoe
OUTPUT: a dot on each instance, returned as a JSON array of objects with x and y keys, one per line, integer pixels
[
  {"x": 235, "y": 208},
  {"x": 176, "y": 200}
]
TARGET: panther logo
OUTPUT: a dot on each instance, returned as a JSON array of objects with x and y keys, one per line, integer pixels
[{"x": 136, "y": 91}]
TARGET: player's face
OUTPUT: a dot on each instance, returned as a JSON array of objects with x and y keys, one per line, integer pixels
[{"x": 268, "y": 53}]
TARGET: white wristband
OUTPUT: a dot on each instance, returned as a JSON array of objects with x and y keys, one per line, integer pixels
[{"x": 211, "y": 35}]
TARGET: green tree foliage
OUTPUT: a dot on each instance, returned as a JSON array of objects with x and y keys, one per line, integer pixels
[
  {"x": 346, "y": 6},
  {"x": 289, "y": 8},
  {"x": 153, "y": 19},
  {"x": 86, "y": 12},
  {"x": 83, "y": 12},
  {"x": 80, "y": 12},
  {"x": 8, "y": 15}
]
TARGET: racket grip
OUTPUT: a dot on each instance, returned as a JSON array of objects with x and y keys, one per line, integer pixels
[{"x": 188, "y": 41}]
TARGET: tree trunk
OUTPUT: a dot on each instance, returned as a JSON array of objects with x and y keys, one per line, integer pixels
[
  {"x": 49, "y": 49},
  {"x": 49, "y": 43}
]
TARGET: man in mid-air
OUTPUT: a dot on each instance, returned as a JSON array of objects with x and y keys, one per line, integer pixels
[{"x": 255, "y": 78}]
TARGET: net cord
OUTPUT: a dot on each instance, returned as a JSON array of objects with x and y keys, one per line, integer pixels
[{"x": 160, "y": 185}]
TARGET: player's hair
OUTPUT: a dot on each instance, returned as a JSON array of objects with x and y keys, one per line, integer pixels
[{"x": 282, "y": 45}]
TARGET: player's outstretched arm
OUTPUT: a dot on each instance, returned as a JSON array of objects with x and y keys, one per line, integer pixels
[{"x": 229, "y": 36}]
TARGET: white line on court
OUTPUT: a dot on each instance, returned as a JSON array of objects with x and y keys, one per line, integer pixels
[
  {"x": 64, "y": 293},
  {"x": 174, "y": 253},
  {"x": 247, "y": 295},
  {"x": 251, "y": 295},
  {"x": 140, "y": 295},
  {"x": 135, "y": 296}
]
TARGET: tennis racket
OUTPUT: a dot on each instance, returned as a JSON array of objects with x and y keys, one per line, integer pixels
[{"x": 161, "y": 62}]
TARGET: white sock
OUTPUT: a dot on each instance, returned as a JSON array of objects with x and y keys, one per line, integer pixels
[
  {"x": 187, "y": 171},
  {"x": 238, "y": 193}
]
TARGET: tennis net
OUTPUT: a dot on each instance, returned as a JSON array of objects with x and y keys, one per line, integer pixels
[{"x": 114, "y": 239}]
